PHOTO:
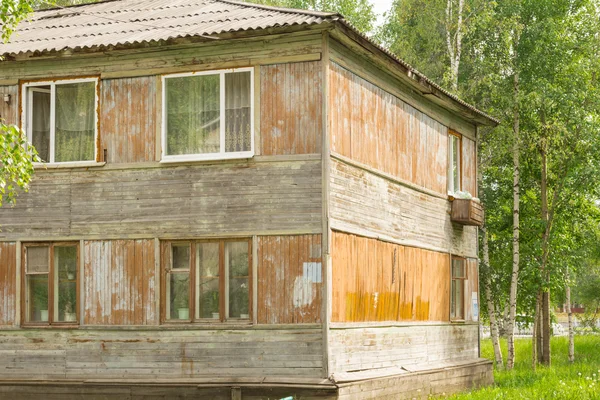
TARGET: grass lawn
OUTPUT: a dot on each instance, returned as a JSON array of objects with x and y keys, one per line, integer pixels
[{"x": 580, "y": 380}]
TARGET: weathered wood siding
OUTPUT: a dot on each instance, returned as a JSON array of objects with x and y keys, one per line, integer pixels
[
  {"x": 395, "y": 347},
  {"x": 119, "y": 282},
  {"x": 128, "y": 119},
  {"x": 439, "y": 383},
  {"x": 291, "y": 108},
  {"x": 373, "y": 204},
  {"x": 187, "y": 201},
  {"x": 469, "y": 166},
  {"x": 153, "y": 354},
  {"x": 379, "y": 281},
  {"x": 155, "y": 60},
  {"x": 9, "y": 112},
  {"x": 8, "y": 283},
  {"x": 375, "y": 128},
  {"x": 472, "y": 290},
  {"x": 290, "y": 279}
]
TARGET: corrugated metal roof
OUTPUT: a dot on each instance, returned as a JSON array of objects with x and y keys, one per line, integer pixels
[
  {"x": 113, "y": 23},
  {"x": 123, "y": 22}
]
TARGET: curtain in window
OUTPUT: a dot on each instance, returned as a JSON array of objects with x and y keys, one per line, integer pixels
[
  {"x": 237, "y": 111},
  {"x": 75, "y": 120},
  {"x": 40, "y": 118},
  {"x": 193, "y": 114}
]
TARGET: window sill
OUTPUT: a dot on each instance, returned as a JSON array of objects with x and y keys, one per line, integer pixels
[
  {"x": 206, "y": 157},
  {"x": 71, "y": 164}
]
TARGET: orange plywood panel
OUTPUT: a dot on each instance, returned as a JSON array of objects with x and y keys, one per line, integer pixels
[{"x": 380, "y": 281}]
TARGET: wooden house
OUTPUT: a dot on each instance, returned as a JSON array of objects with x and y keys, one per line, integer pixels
[{"x": 236, "y": 202}]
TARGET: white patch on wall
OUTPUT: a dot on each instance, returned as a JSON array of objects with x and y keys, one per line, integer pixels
[
  {"x": 475, "y": 302},
  {"x": 303, "y": 292},
  {"x": 312, "y": 272}
]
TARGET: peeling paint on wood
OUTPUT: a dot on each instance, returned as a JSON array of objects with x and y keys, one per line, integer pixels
[
  {"x": 469, "y": 166},
  {"x": 285, "y": 295},
  {"x": 363, "y": 288},
  {"x": 291, "y": 111},
  {"x": 366, "y": 201},
  {"x": 9, "y": 112},
  {"x": 185, "y": 201},
  {"x": 119, "y": 282},
  {"x": 8, "y": 283},
  {"x": 410, "y": 347},
  {"x": 128, "y": 119},
  {"x": 375, "y": 128}
]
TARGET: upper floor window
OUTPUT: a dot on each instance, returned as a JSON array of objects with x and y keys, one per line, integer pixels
[
  {"x": 207, "y": 280},
  {"x": 454, "y": 162},
  {"x": 208, "y": 115},
  {"x": 60, "y": 118},
  {"x": 50, "y": 284}
]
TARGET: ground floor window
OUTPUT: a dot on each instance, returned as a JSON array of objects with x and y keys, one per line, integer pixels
[
  {"x": 457, "y": 289},
  {"x": 50, "y": 283},
  {"x": 207, "y": 280}
]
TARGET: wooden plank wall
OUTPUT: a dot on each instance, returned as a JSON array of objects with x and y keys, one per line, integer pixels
[
  {"x": 187, "y": 201},
  {"x": 128, "y": 119},
  {"x": 469, "y": 166},
  {"x": 375, "y": 128},
  {"x": 285, "y": 293},
  {"x": 9, "y": 112},
  {"x": 119, "y": 283},
  {"x": 8, "y": 283},
  {"x": 364, "y": 201},
  {"x": 162, "y": 355},
  {"x": 290, "y": 107},
  {"x": 379, "y": 281},
  {"x": 395, "y": 347},
  {"x": 192, "y": 57},
  {"x": 472, "y": 289}
]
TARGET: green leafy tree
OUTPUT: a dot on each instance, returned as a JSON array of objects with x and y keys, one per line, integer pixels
[{"x": 358, "y": 12}]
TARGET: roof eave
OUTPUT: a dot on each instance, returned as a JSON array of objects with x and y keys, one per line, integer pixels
[{"x": 415, "y": 79}]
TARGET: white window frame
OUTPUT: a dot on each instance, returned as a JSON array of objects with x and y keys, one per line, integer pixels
[
  {"x": 27, "y": 117},
  {"x": 221, "y": 155},
  {"x": 451, "y": 155}
]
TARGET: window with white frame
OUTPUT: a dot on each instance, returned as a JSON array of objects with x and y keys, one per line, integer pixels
[
  {"x": 208, "y": 115},
  {"x": 60, "y": 119},
  {"x": 453, "y": 163}
]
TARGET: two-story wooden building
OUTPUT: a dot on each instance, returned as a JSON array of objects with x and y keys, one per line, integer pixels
[{"x": 236, "y": 201}]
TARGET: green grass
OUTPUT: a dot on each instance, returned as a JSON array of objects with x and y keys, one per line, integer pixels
[{"x": 580, "y": 380}]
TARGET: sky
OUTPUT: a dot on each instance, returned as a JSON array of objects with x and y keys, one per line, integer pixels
[{"x": 381, "y": 6}]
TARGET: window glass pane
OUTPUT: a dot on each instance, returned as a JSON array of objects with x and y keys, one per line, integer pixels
[
  {"x": 207, "y": 280},
  {"x": 65, "y": 283},
  {"x": 178, "y": 296},
  {"x": 181, "y": 256},
  {"x": 75, "y": 121},
  {"x": 455, "y": 163},
  {"x": 453, "y": 299},
  {"x": 38, "y": 259},
  {"x": 236, "y": 262},
  {"x": 37, "y": 298},
  {"x": 237, "y": 111},
  {"x": 459, "y": 298},
  {"x": 40, "y": 121},
  {"x": 458, "y": 268},
  {"x": 193, "y": 115}
]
